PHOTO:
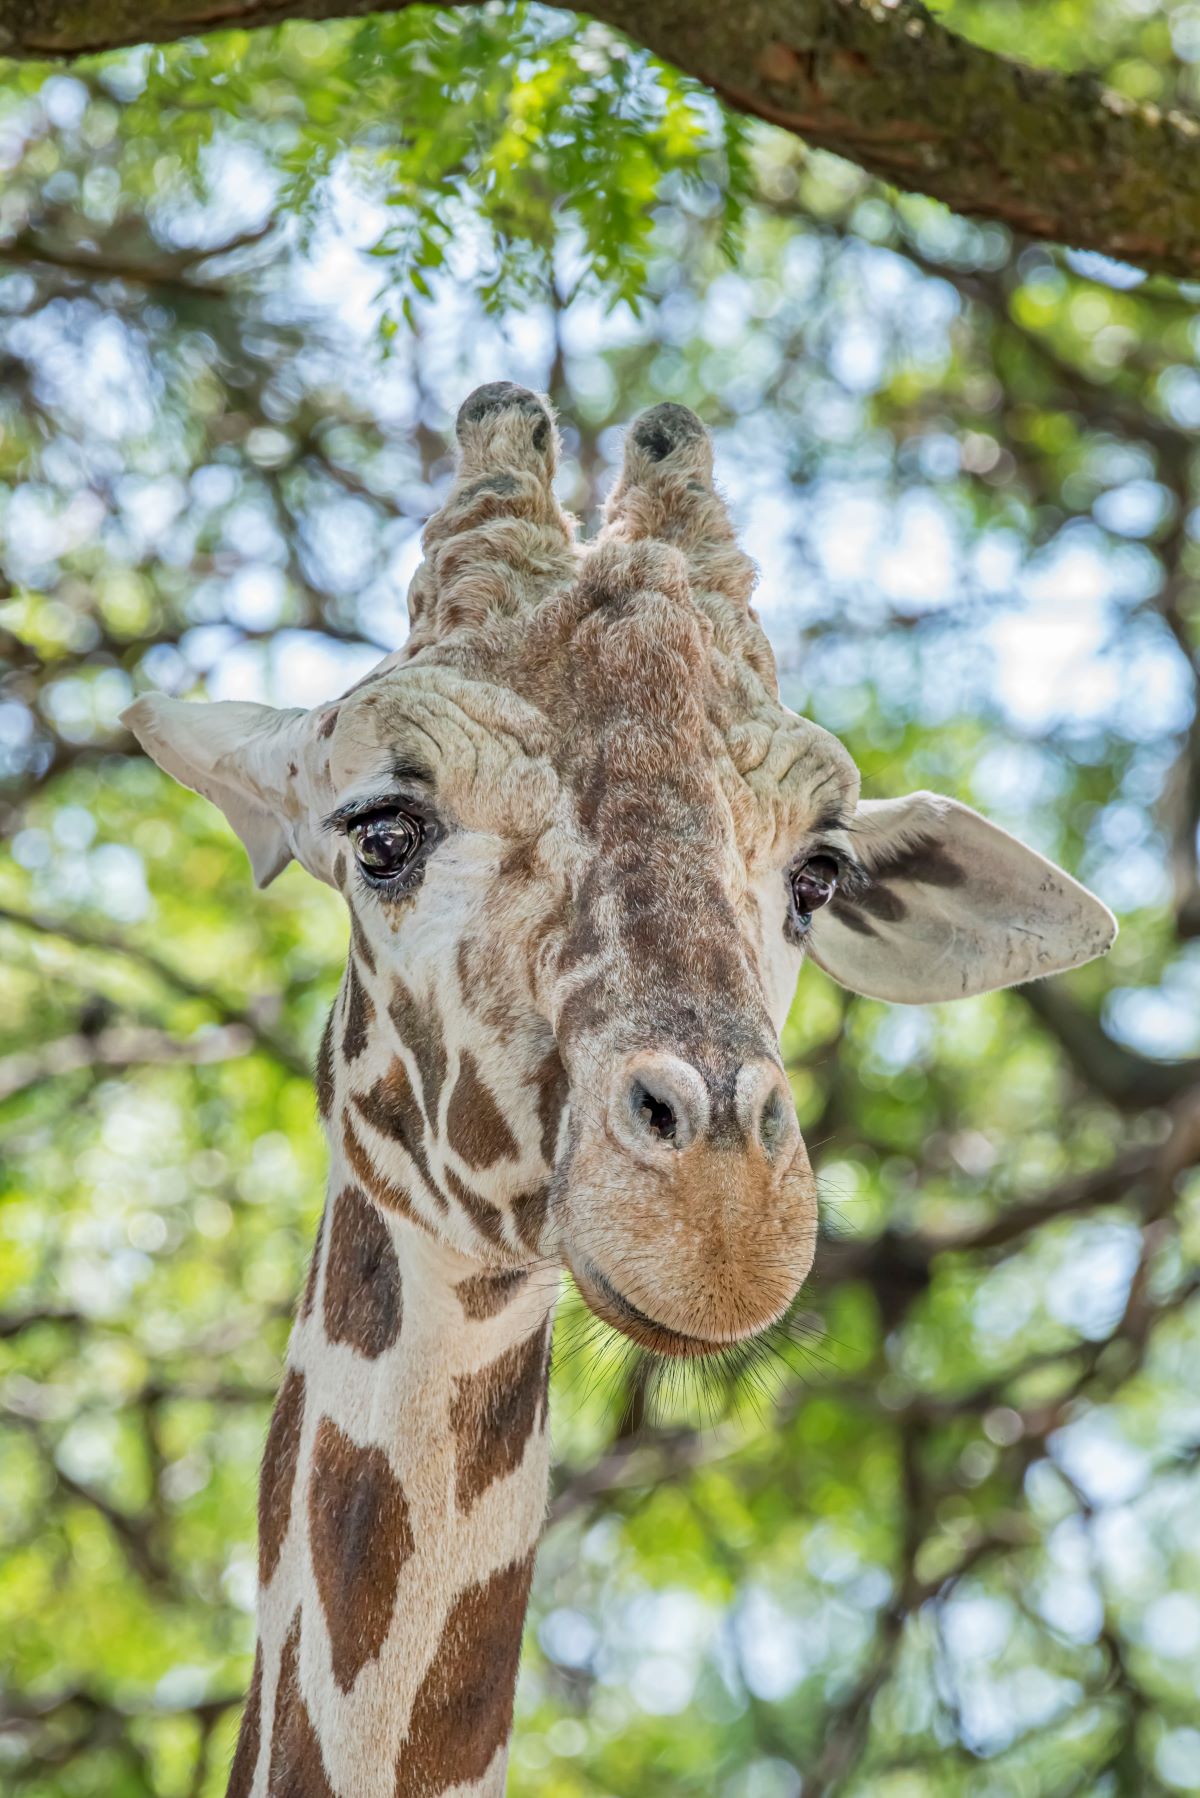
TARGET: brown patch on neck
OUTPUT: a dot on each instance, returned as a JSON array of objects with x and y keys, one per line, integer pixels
[
  {"x": 529, "y": 1216},
  {"x": 279, "y": 1473},
  {"x": 486, "y": 1295},
  {"x": 550, "y": 1079},
  {"x": 245, "y": 1757},
  {"x": 385, "y": 1192},
  {"x": 421, "y": 1034},
  {"x": 362, "y": 947},
  {"x": 297, "y": 1769},
  {"x": 325, "y": 1072},
  {"x": 360, "y": 1014},
  {"x": 391, "y": 1106},
  {"x": 314, "y": 1271},
  {"x": 463, "y": 1710},
  {"x": 494, "y": 1412},
  {"x": 360, "y": 1537},
  {"x": 487, "y": 1218},
  {"x": 475, "y": 1129},
  {"x": 362, "y": 1278}
]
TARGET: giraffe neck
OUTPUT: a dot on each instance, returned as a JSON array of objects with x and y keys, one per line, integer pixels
[{"x": 403, "y": 1491}]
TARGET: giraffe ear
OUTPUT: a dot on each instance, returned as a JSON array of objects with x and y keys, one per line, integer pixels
[
  {"x": 235, "y": 754},
  {"x": 955, "y": 906}
]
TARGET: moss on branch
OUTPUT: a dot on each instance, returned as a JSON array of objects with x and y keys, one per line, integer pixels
[{"x": 881, "y": 82}]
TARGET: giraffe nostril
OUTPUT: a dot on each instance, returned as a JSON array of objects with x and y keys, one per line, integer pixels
[
  {"x": 659, "y": 1117},
  {"x": 766, "y": 1110},
  {"x": 775, "y": 1122},
  {"x": 658, "y": 1106}
]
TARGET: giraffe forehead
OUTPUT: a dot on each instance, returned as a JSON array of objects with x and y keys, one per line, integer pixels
[
  {"x": 644, "y": 692},
  {"x": 438, "y": 714},
  {"x": 640, "y": 689},
  {"x": 785, "y": 775},
  {"x": 484, "y": 748},
  {"x": 633, "y": 698}
]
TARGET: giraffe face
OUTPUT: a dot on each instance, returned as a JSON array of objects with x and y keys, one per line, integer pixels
[
  {"x": 585, "y": 850},
  {"x": 569, "y": 846}
]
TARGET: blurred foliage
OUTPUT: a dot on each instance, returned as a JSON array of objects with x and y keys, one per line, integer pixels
[
  {"x": 525, "y": 142},
  {"x": 1148, "y": 49},
  {"x": 949, "y": 1547}
]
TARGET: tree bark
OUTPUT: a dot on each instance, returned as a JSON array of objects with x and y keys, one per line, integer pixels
[{"x": 881, "y": 82}]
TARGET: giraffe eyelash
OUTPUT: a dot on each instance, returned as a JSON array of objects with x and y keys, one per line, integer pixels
[
  {"x": 340, "y": 821},
  {"x": 853, "y": 879}
]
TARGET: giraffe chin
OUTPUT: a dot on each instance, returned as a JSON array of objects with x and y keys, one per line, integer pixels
[{"x": 612, "y": 1307}]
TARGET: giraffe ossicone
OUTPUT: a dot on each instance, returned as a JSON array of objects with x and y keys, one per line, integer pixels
[{"x": 585, "y": 850}]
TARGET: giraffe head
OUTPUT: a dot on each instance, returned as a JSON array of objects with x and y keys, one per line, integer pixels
[{"x": 586, "y": 850}]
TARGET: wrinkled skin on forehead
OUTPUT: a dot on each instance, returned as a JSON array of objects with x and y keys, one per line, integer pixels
[{"x": 590, "y": 965}]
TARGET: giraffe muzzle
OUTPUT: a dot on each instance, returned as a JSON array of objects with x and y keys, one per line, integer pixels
[{"x": 689, "y": 1205}]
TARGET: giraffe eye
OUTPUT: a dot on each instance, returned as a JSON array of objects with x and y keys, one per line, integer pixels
[
  {"x": 814, "y": 883},
  {"x": 385, "y": 843}
]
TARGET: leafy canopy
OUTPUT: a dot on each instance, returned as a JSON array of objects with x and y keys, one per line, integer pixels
[{"x": 950, "y": 1548}]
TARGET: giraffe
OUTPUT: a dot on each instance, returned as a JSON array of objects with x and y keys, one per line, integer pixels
[{"x": 585, "y": 851}]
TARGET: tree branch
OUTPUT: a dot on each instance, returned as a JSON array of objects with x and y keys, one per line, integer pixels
[
  {"x": 1049, "y": 154},
  {"x": 848, "y": 1724},
  {"x": 27, "y": 252},
  {"x": 38, "y": 1724},
  {"x": 142, "y": 1552},
  {"x": 14, "y": 1323},
  {"x": 174, "y": 978},
  {"x": 1130, "y": 1081},
  {"x": 636, "y": 1462},
  {"x": 117, "y": 1049}
]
